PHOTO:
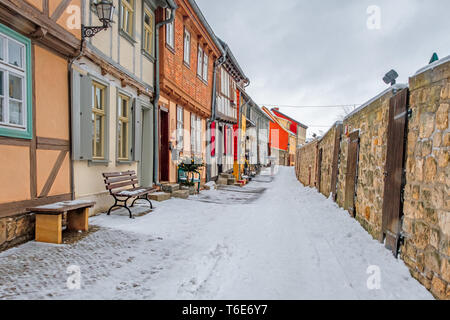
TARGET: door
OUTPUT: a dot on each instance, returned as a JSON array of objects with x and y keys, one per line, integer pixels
[
  {"x": 394, "y": 168},
  {"x": 309, "y": 177},
  {"x": 164, "y": 151},
  {"x": 352, "y": 173},
  {"x": 335, "y": 168},
  {"x": 319, "y": 170},
  {"x": 220, "y": 146},
  {"x": 146, "y": 163}
]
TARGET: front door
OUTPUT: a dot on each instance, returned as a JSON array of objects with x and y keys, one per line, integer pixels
[
  {"x": 164, "y": 152},
  {"x": 146, "y": 164},
  {"x": 220, "y": 147},
  {"x": 352, "y": 173},
  {"x": 393, "y": 181}
]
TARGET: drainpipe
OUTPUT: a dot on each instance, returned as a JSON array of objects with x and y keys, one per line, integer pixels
[
  {"x": 173, "y": 7},
  {"x": 70, "y": 76}
]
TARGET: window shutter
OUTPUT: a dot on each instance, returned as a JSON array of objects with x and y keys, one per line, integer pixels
[
  {"x": 137, "y": 132},
  {"x": 82, "y": 117},
  {"x": 76, "y": 95},
  {"x": 213, "y": 139}
]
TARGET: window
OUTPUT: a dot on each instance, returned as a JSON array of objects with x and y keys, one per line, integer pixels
[
  {"x": 170, "y": 39},
  {"x": 15, "y": 79},
  {"x": 205, "y": 67},
  {"x": 200, "y": 61},
  {"x": 123, "y": 127},
  {"x": 225, "y": 83},
  {"x": 202, "y": 64},
  {"x": 187, "y": 47},
  {"x": 180, "y": 128},
  {"x": 98, "y": 120},
  {"x": 127, "y": 16},
  {"x": 148, "y": 32},
  {"x": 196, "y": 122}
]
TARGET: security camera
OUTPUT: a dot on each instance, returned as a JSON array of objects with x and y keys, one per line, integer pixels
[{"x": 390, "y": 77}]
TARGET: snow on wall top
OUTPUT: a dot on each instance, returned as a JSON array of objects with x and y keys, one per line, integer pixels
[
  {"x": 433, "y": 65},
  {"x": 394, "y": 87}
]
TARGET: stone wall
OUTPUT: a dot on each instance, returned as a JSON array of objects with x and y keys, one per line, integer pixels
[
  {"x": 327, "y": 145},
  {"x": 16, "y": 230},
  {"x": 371, "y": 120},
  {"x": 306, "y": 164},
  {"x": 427, "y": 203}
]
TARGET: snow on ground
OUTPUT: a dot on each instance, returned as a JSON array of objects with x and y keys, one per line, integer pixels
[{"x": 270, "y": 240}]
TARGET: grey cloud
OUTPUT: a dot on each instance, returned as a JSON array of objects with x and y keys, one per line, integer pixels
[{"x": 299, "y": 52}]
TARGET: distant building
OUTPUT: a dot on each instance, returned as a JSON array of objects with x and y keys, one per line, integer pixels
[{"x": 286, "y": 134}]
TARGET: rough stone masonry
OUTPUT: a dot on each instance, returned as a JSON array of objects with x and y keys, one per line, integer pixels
[{"x": 426, "y": 205}]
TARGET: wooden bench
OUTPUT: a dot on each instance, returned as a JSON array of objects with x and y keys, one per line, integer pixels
[
  {"x": 123, "y": 187},
  {"x": 49, "y": 219}
]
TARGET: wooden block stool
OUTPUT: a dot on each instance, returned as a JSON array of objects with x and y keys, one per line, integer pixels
[{"x": 49, "y": 219}]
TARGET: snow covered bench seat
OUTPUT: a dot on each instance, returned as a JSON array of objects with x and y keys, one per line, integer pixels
[
  {"x": 49, "y": 219},
  {"x": 123, "y": 186}
]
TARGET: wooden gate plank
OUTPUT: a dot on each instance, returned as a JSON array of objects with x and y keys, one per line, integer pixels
[
  {"x": 394, "y": 167},
  {"x": 351, "y": 177},
  {"x": 335, "y": 165}
]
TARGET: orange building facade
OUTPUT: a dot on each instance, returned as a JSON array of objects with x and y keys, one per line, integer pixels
[
  {"x": 188, "y": 51},
  {"x": 37, "y": 42}
]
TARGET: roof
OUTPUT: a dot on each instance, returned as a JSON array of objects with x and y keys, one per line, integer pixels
[
  {"x": 233, "y": 60},
  {"x": 274, "y": 120},
  {"x": 284, "y": 115},
  {"x": 203, "y": 20}
]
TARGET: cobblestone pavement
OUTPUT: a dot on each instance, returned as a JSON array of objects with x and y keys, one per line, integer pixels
[
  {"x": 39, "y": 271},
  {"x": 122, "y": 265}
]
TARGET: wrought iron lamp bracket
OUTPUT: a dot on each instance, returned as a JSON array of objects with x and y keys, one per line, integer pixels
[{"x": 88, "y": 32}]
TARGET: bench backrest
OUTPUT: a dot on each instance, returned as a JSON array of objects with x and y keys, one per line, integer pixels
[{"x": 120, "y": 180}]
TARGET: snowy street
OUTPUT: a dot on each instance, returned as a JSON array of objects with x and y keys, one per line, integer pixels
[{"x": 274, "y": 239}]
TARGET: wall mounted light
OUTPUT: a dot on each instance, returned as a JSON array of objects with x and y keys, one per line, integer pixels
[{"x": 105, "y": 12}]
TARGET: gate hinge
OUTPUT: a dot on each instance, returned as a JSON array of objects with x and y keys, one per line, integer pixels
[{"x": 410, "y": 113}]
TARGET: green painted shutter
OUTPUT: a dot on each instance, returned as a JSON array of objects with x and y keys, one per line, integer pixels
[
  {"x": 86, "y": 134},
  {"x": 137, "y": 130},
  {"x": 81, "y": 117}
]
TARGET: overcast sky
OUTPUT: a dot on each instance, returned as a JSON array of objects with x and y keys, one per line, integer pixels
[{"x": 321, "y": 52}]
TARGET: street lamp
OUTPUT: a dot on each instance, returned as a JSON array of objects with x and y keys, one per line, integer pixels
[{"x": 105, "y": 12}]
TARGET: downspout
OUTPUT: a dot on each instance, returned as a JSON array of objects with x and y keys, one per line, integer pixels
[
  {"x": 173, "y": 7},
  {"x": 70, "y": 76}
]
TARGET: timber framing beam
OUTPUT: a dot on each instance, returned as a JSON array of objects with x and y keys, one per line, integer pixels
[{"x": 37, "y": 25}]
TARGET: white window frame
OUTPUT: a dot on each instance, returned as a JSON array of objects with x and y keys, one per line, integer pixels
[
  {"x": 200, "y": 61},
  {"x": 187, "y": 47},
  {"x": 20, "y": 72},
  {"x": 170, "y": 32},
  {"x": 205, "y": 66}
]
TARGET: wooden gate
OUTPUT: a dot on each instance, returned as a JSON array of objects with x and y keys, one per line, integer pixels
[
  {"x": 319, "y": 170},
  {"x": 352, "y": 173},
  {"x": 335, "y": 168},
  {"x": 394, "y": 168}
]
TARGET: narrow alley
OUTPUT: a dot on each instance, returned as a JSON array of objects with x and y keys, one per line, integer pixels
[{"x": 277, "y": 241}]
